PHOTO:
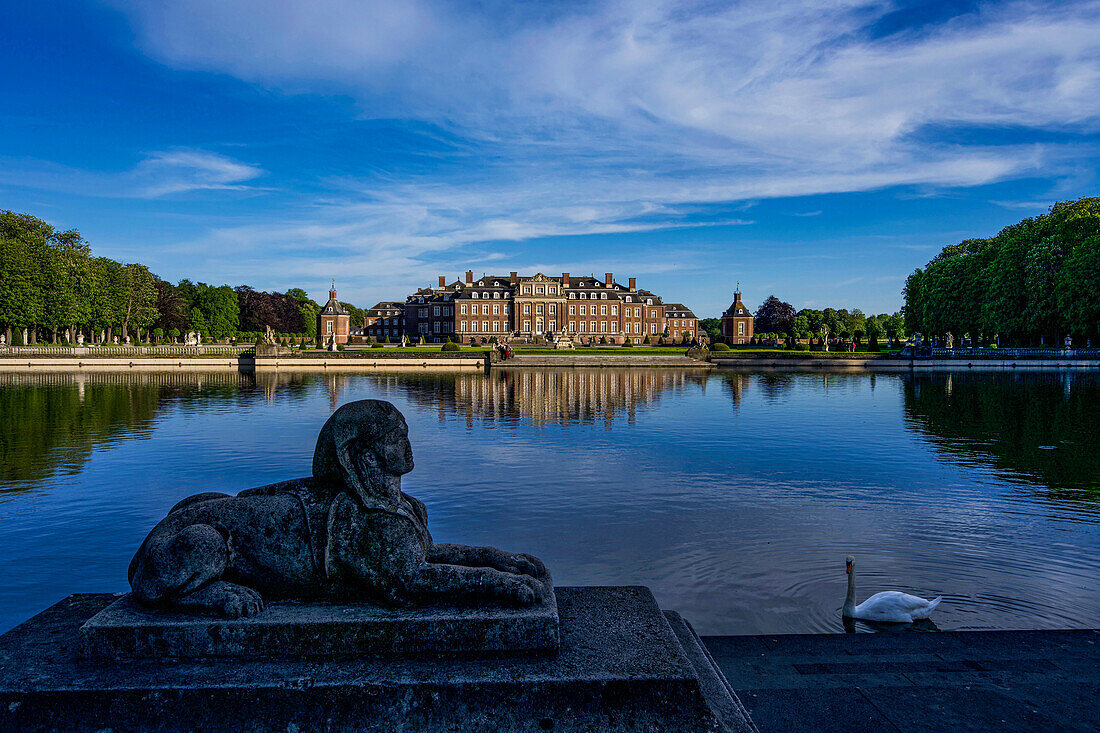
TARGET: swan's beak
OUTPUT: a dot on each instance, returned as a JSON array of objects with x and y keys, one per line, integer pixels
[{"x": 848, "y": 568}]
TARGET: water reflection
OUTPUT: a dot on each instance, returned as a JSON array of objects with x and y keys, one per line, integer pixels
[
  {"x": 734, "y": 495},
  {"x": 1040, "y": 427}
]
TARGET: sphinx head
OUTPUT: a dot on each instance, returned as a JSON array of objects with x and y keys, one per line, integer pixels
[{"x": 364, "y": 447}]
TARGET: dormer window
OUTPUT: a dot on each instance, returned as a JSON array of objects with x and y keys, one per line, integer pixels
[
  {"x": 496, "y": 294},
  {"x": 572, "y": 295},
  {"x": 507, "y": 295},
  {"x": 740, "y": 310},
  {"x": 603, "y": 295},
  {"x": 473, "y": 295},
  {"x": 496, "y": 283},
  {"x": 583, "y": 296}
]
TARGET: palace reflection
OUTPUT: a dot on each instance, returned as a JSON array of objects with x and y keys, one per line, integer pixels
[{"x": 553, "y": 396}]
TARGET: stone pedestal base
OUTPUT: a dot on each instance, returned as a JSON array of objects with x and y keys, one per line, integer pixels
[
  {"x": 127, "y": 630},
  {"x": 622, "y": 665}
]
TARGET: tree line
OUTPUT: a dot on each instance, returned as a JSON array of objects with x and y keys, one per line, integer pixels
[
  {"x": 52, "y": 288},
  {"x": 777, "y": 320},
  {"x": 1033, "y": 283}
]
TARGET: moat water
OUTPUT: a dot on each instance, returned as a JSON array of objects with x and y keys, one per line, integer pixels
[{"x": 734, "y": 496}]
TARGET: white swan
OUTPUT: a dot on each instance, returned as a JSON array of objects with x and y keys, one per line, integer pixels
[{"x": 890, "y": 606}]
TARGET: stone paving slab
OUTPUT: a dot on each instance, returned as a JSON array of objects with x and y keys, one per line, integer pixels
[{"x": 965, "y": 680}]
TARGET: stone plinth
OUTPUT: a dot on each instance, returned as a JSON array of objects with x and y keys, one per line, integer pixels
[
  {"x": 622, "y": 665},
  {"x": 127, "y": 630}
]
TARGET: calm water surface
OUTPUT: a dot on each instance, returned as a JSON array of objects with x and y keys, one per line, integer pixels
[{"x": 734, "y": 496}]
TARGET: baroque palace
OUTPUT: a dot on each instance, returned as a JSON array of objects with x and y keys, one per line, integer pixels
[{"x": 529, "y": 308}]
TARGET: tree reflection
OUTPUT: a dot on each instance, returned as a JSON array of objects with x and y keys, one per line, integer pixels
[
  {"x": 53, "y": 422},
  {"x": 1043, "y": 426}
]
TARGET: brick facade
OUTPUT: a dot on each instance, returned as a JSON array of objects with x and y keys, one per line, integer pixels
[
  {"x": 333, "y": 320},
  {"x": 529, "y": 308},
  {"x": 737, "y": 322}
]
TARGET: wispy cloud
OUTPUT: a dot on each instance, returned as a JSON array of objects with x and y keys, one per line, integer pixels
[
  {"x": 619, "y": 108},
  {"x": 809, "y": 213},
  {"x": 158, "y": 174}
]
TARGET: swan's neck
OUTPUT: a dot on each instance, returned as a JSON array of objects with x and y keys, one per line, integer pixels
[{"x": 850, "y": 601}]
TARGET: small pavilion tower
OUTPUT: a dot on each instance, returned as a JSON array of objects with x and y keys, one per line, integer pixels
[
  {"x": 333, "y": 319},
  {"x": 737, "y": 321}
]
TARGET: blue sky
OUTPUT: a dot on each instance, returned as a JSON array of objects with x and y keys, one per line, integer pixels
[{"x": 819, "y": 151}]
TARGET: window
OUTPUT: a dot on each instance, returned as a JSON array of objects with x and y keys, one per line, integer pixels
[
  {"x": 592, "y": 326},
  {"x": 572, "y": 327},
  {"x": 484, "y": 325},
  {"x": 603, "y": 295},
  {"x": 526, "y": 308},
  {"x": 437, "y": 325},
  {"x": 447, "y": 310},
  {"x": 740, "y": 330},
  {"x": 462, "y": 309},
  {"x": 603, "y": 310},
  {"x": 539, "y": 308},
  {"x": 507, "y": 295},
  {"x": 507, "y": 309},
  {"x": 553, "y": 309},
  {"x": 473, "y": 295},
  {"x": 740, "y": 341},
  {"x": 496, "y": 325},
  {"x": 527, "y": 290},
  {"x": 614, "y": 327},
  {"x": 526, "y": 325},
  {"x": 584, "y": 310},
  {"x": 437, "y": 310},
  {"x": 553, "y": 325},
  {"x": 540, "y": 291},
  {"x": 614, "y": 310},
  {"x": 496, "y": 295},
  {"x": 653, "y": 314},
  {"x": 552, "y": 291},
  {"x": 603, "y": 326},
  {"x": 582, "y": 326},
  {"x": 572, "y": 310},
  {"x": 328, "y": 324},
  {"x": 653, "y": 328},
  {"x": 422, "y": 312},
  {"x": 583, "y": 296},
  {"x": 740, "y": 311},
  {"x": 496, "y": 310},
  {"x": 571, "y": 295}
]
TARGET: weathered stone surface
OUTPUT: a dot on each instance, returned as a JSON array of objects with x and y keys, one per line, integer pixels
[
  {"x": 347, "y": 531},
  {"x": 287, "y": 629},
  {"x": 620, "y": 667}
]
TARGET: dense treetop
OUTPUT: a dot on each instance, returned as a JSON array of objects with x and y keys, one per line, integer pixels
[
  {"x": 50, "y": 284},
  {"x": 1036, "y": 280}
]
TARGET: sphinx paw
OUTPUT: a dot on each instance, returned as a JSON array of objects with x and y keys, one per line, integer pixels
[{"x": 238, "y": 601}]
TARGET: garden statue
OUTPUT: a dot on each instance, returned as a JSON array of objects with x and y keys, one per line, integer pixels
[
  {"x": 115, "y": 340},
  {"x": 269, "y": 336},
  {"x": 80, "y": 338},
  {"x": 347, "y": 532},
  {"x": 3, "y": 340},
  {"x": 950, "y": 339},
  {"x": 825, "y": 336}
]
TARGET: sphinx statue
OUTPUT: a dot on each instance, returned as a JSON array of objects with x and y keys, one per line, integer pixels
[{"x": 347, "y": 532}]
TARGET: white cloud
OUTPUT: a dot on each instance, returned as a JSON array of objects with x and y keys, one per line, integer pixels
[
  {"x": 630, "y": 115},
  {"x": 158, "y": 174},
  {"x": 180, "y": 171}
]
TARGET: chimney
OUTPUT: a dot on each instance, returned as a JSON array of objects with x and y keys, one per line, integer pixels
[
  {"x": 513, "y": 278},
  {"x": 607, "y": 278},
  {"x": 565, "y": 279},
  {"x": 442, "y": 281},
  {"x": 469, "y": 277},
  {"x": 633, "y": 283}
]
